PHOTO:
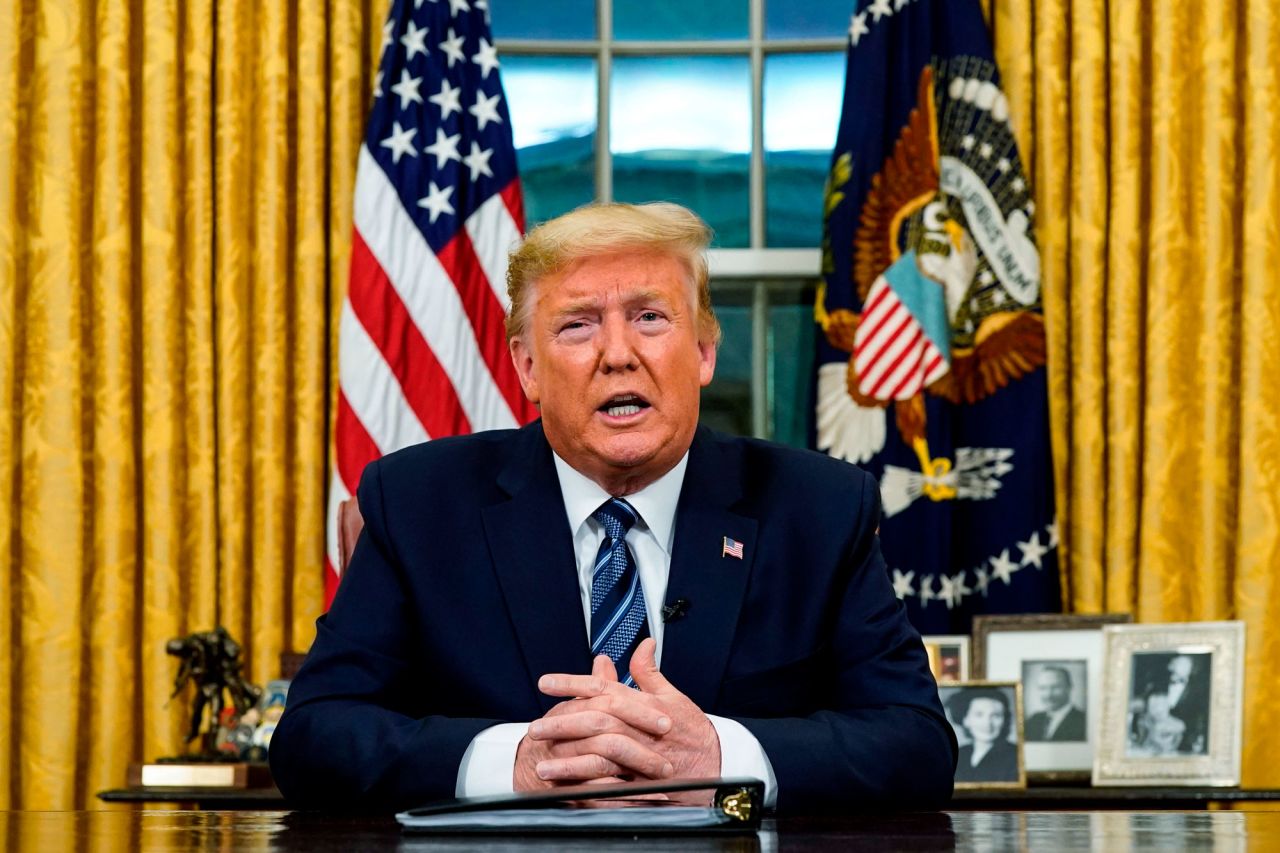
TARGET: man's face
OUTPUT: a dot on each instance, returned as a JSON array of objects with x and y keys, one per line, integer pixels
[
  {"x": 1052, "y": 689},
  {"x": 611, "y": 356},
  {"x": 1179, "y": 670}
]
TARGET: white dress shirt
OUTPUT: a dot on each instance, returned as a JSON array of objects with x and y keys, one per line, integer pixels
[{"x": 489, "y": 762}]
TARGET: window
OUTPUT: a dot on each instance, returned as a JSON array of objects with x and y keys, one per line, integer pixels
[{"x": 727, "y": 106}]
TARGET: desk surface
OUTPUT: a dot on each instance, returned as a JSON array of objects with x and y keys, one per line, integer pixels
[{"x": 1220, "y": 831}]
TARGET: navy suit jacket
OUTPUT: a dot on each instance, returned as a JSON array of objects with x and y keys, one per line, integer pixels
[{"x": 463, "y": 590}]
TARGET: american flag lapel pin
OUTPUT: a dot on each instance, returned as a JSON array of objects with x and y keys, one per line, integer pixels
[{"x": 732, "y": 548}]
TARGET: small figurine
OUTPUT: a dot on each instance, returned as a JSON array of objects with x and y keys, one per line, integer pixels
[{"x": 211, "y": 660}]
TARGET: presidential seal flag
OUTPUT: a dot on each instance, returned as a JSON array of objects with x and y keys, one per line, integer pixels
[
  {"x": 422, "y": 350},
  {"x": 932, "y": 359}
]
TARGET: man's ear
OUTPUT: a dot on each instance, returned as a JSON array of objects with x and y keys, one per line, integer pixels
[
  {"x": 522, "y": 358},
  {"x": 706, "y": 362}
]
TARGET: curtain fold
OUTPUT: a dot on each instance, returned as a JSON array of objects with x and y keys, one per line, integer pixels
[
  {"x": 175, "y": 189},
  {"x": 1154, "y": 131}
]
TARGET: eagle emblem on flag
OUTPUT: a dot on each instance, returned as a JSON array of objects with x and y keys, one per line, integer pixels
[{"x": 947, "y": 273}]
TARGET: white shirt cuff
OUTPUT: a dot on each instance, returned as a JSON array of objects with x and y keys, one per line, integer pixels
[
  {"x": 490, "y": 760},
  {"x": 741, "y": 755}
]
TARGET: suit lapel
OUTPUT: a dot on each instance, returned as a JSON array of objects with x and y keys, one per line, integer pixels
[
  {"x": 695, "y": 649},
  {"x": 533, "y": 558}
]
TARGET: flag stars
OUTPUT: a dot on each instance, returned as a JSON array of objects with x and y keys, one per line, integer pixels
[
  {"x": 1033, "y": 552},
  {"x": 1003, "y": 568},
  {"x": 899, "y": 5},
  {"x": 388, "y": 34},
  {"x": 968, "y": 142},
  {"x": 879, "y": 9},
  {"x": 987, "y": 277},
  {"x": 414, "y": 41},
  {"x": 456, "y": 6},
  {"x": 483, "y": 6},
  {"x": 478, "y": 161},
  {"x": 902, "y": 583},
  {"x": 444, "y": 149},
  {"x": 858, "y": 27},
  {"x": 452, "y": 47},
  {"x": 1004, "y": 165},
  {"x": 377, "y": 84},
  {"x": 926, "y": 590},
  {"x": 1030, "y": 208},
  {"x": 984, "y": 580},
  {"x": 407, "y": 89},
  {"x": 985, "y": 151},
  {"x": 486, "y": 57},
  {"x": 485, "y": 110},
  {"x": 437, "y": 201},
  {"x": 448, "y": 99},
  {"x": 1052, "y": 530},
  {"x": 953, "y": 589},
  {"x": 400, "y": 142},
  {"x": 1017, "y": 185}
]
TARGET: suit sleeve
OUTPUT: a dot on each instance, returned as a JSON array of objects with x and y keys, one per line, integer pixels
[
  {"x": 884, "y": 739},
  {"x": 354, "y": 733}
]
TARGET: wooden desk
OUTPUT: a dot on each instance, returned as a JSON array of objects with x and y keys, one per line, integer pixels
[
  {"x": 139, "y": 830},
  {"x": 1079, "y": 798}
]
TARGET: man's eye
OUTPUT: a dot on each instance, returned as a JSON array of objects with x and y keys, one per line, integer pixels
[{"x": 650, "y": 316}]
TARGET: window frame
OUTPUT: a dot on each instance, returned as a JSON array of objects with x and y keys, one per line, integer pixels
[{"x": 770, "y": 275}]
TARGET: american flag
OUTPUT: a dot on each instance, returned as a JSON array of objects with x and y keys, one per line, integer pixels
[
  {"x": 732, "y": 548},
  {"x": 895, "y": 356},
  {"x": 422, "y": 351}
]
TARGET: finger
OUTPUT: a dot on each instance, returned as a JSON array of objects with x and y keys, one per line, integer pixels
[
  {"x": 602, "y": 667},
  {"x": 577, "y": 768},
  {"x": 624, "y": 754},
  {"x": 638, "y": 710},
  {"x": 577, "y": 686},
  {"x": 644, "y": 668},
  {"x": 591, "y": 722}
]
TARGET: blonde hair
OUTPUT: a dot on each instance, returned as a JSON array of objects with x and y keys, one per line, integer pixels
[{"x": 602, "y": 229}]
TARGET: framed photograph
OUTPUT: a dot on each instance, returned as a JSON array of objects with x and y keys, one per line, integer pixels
[
  {"x": 987, "y": 718},
  {"x": 1173, "y": 708},
  {"x": 948, "y": 656},
  {"x": 1058, "y": 659}
]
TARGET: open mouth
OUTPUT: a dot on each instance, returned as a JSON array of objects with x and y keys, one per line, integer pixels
[{"x": 623, "y": 405}]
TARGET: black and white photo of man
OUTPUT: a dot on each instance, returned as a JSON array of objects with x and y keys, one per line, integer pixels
[{"x": 1055, "y": 699}]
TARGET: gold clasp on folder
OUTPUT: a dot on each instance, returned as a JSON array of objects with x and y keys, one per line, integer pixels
[{"x": 737, "y": 805}]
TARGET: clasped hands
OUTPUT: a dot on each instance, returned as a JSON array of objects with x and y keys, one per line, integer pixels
[{"x": 606, "y": 732}]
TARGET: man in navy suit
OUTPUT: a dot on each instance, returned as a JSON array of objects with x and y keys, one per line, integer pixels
[{"x": 614, "y": 592}]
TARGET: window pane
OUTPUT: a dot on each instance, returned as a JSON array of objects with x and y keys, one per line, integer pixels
[
  {"x": 545, "y": 19},
  {"x": 680, "y": 130},
  {"x": 791, "y": 352},
  {"x": 552, "y": 100},
  {"x": 668, "y": 20},
  {"x": 802, "y": 96},
  {"x": 787, "y": 19},
  {"x": 726, "y": 402}
]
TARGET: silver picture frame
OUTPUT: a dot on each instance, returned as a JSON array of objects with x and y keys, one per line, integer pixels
[{"x": 1173, "y": 705}]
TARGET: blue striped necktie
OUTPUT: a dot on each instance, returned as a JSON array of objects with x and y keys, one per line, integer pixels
[{"x": 618, "y": 622}]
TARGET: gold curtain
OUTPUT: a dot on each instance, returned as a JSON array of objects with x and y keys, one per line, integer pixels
[
  {"x": 175, "y": 182},
  {"x": 1152, "y": 130}
]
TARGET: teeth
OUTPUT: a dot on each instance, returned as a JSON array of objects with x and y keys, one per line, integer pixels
[{"x": 622, "y": 411}]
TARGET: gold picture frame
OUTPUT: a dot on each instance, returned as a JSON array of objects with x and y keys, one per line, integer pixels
[
  {"x": 999, "y": 769},
  {"x": 948, "y": 656},
  {"x": 1066, "y": 651}
]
